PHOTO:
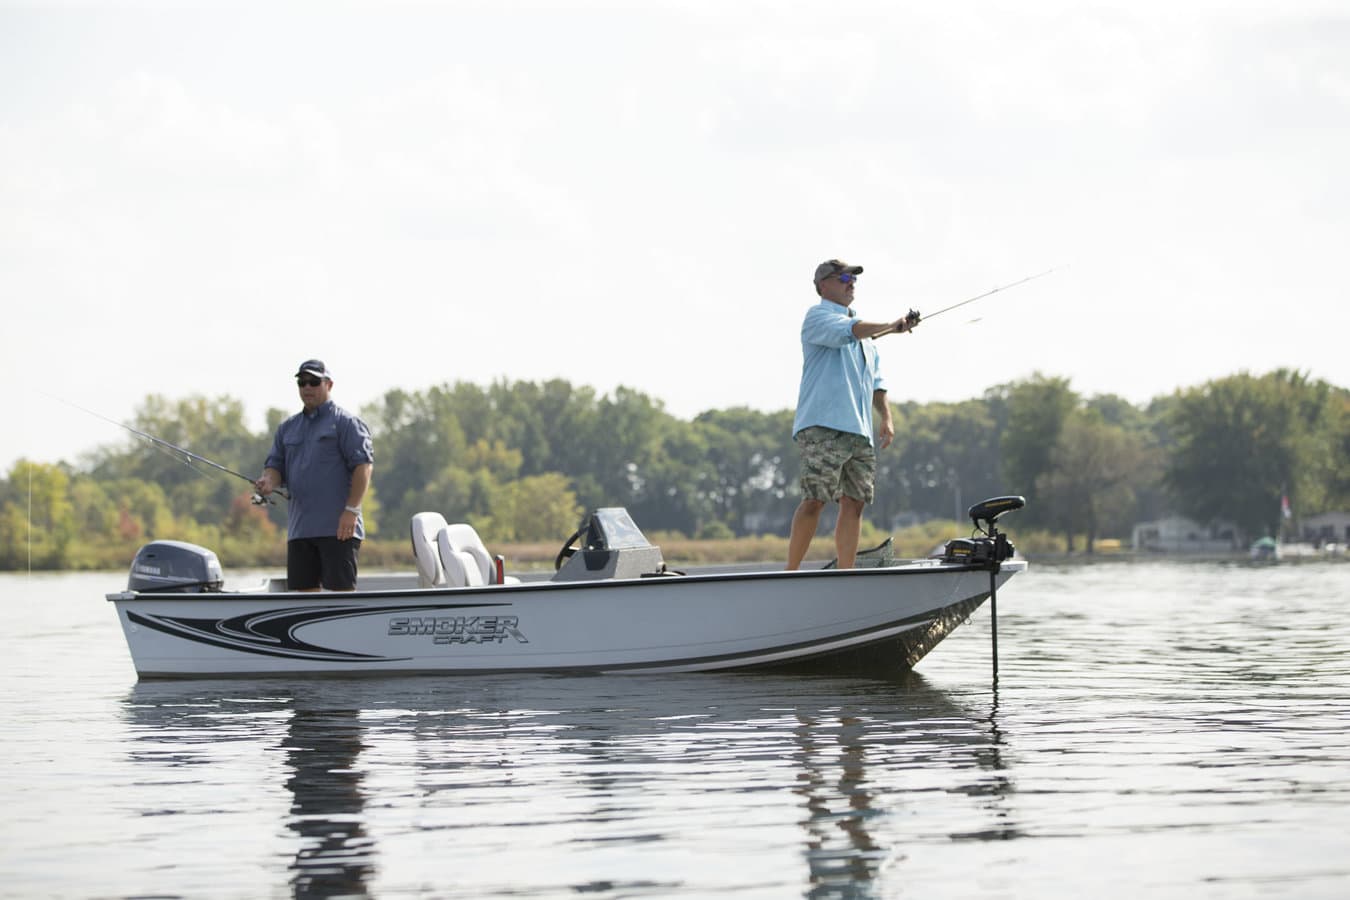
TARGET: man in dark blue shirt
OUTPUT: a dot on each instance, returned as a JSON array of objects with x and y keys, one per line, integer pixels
[{"x": 324, "y": 457}]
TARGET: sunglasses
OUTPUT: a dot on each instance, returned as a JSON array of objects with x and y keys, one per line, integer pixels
[
  {"x": 847, "y": 277},
  {"x": 309, "y": 382}
]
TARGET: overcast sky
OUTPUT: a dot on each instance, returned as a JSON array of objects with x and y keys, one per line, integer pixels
[{"x": 636, "y": 193}]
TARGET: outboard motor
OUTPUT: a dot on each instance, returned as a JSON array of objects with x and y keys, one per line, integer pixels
[
  {"x": 613, "y": 548},
  {"x": 177, "y": 567}
]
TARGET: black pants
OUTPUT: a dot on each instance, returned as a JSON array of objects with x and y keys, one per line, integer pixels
[{"x": 321, "y": 562}]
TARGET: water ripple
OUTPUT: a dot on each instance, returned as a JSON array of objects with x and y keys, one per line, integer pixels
[{"x": 1171, "y": 729}]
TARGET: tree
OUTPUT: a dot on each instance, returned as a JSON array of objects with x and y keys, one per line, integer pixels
[
  {"x": 37, "y": 519},
  {"x": 1095, "y": 474},
  {"x": 95, "y": 512},
  {"x": 248, "y": 521},
  {"x": 211, "y": 428},
  {"x": 1244, "y": 442},
  {"x": 1338, "y": 450},
  {"x": 1037, "y": 409},
  {"x": 143, "y": 509},
  {"x": 418, "y": 440},
  {"x": 742, "y": 468},
  {"x": 945, "y": 458},
  {"x": 522, "y": 460},
  {"x": 533, "y": 508}
]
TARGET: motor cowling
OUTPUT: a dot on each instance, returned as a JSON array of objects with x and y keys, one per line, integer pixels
[{"x": 177, "y": 567}]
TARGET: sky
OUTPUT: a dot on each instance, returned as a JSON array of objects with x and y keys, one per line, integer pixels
[{"x": 196, "y": 197}]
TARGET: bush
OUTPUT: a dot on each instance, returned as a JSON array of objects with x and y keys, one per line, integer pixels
[{"x": 715, "y": 531}]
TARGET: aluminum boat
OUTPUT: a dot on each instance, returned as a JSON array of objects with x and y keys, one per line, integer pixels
[{"x": 612, "y": 605}]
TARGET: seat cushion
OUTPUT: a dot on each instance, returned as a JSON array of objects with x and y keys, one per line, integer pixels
[
  {"x": 461, "y": 569},
  {"x": 425, "y": 528}
]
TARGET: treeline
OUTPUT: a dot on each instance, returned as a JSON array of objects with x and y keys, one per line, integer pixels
[{"x": 522, "y": 461}]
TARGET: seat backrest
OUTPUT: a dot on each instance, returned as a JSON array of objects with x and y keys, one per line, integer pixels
[
  {"x": 461, "y": 568},
  {"x": 425, "y": 527},
  {"x": 465, "y": 539}
]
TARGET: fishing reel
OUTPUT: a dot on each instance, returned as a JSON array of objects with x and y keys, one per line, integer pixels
[{"x": 911, "y": 319}]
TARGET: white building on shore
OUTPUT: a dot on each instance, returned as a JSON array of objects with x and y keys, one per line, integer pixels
[
  {"x": 1178, "y": 534},
  {"x": 1327, "y": 528}
]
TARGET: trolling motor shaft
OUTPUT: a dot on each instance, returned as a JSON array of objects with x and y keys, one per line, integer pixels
[{"x": 987, "y": 552}]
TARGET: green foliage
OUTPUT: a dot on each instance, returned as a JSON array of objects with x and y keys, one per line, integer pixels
[
  {"x": 1245, "y": 441},
  {"x": 37, "y": 520},
  {"x": 1036, "y": 409},
  {"x": 715, "y": 531},
  {"x": 1338, "y": 450},
  {"x": 522, "y": 461},
  {"x": 1095, "y": 470},
  {"x": 946, "y": 458},
  {"x": 534, "y": 508}
]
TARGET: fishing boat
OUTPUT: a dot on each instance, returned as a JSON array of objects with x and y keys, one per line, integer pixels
[{"x": 612, "y": 605}]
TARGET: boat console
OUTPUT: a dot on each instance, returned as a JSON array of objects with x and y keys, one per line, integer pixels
[{"x": 614, "y": 547}]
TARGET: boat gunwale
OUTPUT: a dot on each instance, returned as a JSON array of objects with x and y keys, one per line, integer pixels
[{"x": 901, "y": 568}]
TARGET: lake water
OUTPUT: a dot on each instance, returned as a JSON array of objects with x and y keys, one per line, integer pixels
[{"x": 1158, "y": 730}]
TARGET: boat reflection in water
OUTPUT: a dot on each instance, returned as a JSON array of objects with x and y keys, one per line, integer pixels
[{"x": 497, "y": 786}]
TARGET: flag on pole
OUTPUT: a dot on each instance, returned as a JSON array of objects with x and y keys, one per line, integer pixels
[{"x": 1284, "y": 506}]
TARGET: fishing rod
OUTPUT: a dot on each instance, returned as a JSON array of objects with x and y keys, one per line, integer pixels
[
  {"x": 915, "y": 318},
  {"x": 188, "y": 455}
]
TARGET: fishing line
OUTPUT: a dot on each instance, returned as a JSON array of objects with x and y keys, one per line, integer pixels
[
  {"x": 30, "y": 520},
  {"x": 1003, "y": 287},
  {"x": 916, "y": 318}
]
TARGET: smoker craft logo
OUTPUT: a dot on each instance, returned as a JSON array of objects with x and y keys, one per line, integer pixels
[
  {"x": 459, "y": 629},
  {"x": 275, "y": 633}
]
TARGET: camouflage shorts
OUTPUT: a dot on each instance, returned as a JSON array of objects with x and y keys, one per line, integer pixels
[{"x": 835, "y": 464}]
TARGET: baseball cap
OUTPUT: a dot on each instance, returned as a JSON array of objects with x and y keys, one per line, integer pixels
[
  {"x": 832, "y": 267},
  {"x": 314, "y": 367}
]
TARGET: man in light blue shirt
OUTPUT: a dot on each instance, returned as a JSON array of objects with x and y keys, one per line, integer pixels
[{"x": 841, "y": 386}]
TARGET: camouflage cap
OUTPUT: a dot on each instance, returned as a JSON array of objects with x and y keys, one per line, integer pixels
[{"x": 831, "y": 267}]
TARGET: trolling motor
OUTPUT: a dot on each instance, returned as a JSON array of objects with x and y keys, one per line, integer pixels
[
  {"x": 988, "y": 551},
  {"x": 993, "y": 546}
]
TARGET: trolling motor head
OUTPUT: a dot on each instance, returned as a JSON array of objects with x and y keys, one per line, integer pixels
[{"x": 989, "y": 511}]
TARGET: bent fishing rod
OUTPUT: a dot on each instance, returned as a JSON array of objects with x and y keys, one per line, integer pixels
[
  {"x": 914, "y": 318},
  {"x": 188, "y": 455}
]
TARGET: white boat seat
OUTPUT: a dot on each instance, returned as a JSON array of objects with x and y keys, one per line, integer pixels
[
  {"x": 425, "y": 527},
  {"x": 463, "y": 538},
  {"x": 461, "y": 568}
]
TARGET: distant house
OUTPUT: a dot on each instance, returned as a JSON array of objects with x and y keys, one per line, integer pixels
[
  {"x": 1178, "y": 534},
  {"x": 1328, "y": 528}
]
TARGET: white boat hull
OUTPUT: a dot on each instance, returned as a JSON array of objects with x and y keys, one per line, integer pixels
[{"x": 884, "y": 618}]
